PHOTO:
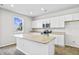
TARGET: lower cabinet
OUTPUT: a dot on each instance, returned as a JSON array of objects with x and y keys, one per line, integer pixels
[
  {"x": 59, "y": 40},
  {"x": 30, "y": 47}
]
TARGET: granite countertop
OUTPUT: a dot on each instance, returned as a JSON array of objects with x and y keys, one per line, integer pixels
[{"x": 37, "y": 37}]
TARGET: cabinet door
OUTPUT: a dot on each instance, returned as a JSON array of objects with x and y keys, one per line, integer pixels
[
  {"x": 34, "y": 24},
  {"x": 59, "y": 40},
  {"x": 52, "y": 23},
  {"x": 43, "y": 21},
  {"x": 76, "y": 16},
  {"x": 47, "y": 20},
  {"x": 58, "y": 22},
  {"x": 39, "y": 23},
  {"x": 68, "y": 17},
  {"x": 55, "y": 20},
  {"x": 61, "y": 21}
]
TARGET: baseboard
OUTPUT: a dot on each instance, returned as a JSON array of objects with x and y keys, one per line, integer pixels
[
  {"x": 7, "y": 44},
  {"x": 22, "y": 51},
  {"x": 71, "y": 46},
  {"x": 59, "y": 45}
]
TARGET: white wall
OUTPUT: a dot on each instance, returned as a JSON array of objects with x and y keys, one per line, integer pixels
[{"x": 7, "y": 27}]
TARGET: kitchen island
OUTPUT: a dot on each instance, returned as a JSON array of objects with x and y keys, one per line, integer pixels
[{"x": 35, "y": 44}]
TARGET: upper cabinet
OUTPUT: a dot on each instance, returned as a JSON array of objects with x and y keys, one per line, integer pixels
[
  {"x": 68, "y": 17},
  {"x": 76, "y": 16},
  {"x": 34, "y": 24},
  {"x": 71, "y": 17},
  {"x": 61, "y": 21},
  {"x": 37, "y": 24},
  {"x": 55, "y": 22}
]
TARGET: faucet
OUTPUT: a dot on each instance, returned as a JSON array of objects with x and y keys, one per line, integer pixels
[{"x": 46, "y": 32}]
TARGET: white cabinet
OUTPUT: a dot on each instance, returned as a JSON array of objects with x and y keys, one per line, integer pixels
[
  {"x": 57, "y": 22},
  {"x": 30, "y": 47},
  {"x": 71, "y": 17},
  {"x": 76, "y": 16},
  {"x": 61, "y": 21},
  {"x": 59, "y": 40},
  {"x": 54, "y": 22},
  {"x": 68, "y": 17},
  {"x": 37, "y": 24},
  {"x": 47, "y": 20},
  {"x": 34, "y": 24}
]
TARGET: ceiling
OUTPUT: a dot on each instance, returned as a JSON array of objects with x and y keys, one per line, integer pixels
[{"x": 35, "y": 9}]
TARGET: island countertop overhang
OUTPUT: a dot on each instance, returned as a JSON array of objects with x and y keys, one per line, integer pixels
[{"x": 44, "y": 39}]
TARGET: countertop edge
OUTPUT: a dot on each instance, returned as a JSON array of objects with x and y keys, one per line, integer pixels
[{"x": 36, "y": 41}]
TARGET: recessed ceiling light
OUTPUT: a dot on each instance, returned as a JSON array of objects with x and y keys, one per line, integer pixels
[
  {"x": 42, "y": 9},
  {"x": 12, "y": 5},
  {"x": 31, "y": 12}
]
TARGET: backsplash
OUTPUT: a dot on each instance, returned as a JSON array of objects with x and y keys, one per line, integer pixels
[{"x": 53, "y": 30}]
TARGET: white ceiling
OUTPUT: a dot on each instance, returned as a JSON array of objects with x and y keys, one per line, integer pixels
[{"x": 36, "y": 8}]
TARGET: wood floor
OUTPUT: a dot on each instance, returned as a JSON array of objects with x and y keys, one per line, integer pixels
[
  {"x": 67, "y": 50},
  {"x": 11, "y": 50}
]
